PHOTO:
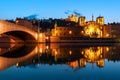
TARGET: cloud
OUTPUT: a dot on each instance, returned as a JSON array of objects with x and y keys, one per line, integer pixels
[
  {"x": 33, "y": 16},
  {"x": 77, "y": 12},
  {"x": 67, "y": 12}
]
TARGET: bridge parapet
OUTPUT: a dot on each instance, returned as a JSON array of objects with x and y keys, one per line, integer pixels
[{"x": 6, "y": 27}]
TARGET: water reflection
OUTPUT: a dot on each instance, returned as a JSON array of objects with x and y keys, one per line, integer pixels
[{"x": 76, "y": 55}]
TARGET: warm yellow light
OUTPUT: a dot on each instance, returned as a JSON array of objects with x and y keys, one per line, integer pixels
[
  {"x": 92, "y": 54},
  {"x": 47, "y": 37},
  {"x": 47, "y": 47},
  {"x": 70, "y": 52},
  {"x": 107, "y": 35},
  {"x": 41, "y": 50},
  {"x": 55, "y": 32},
  {"x": 56, "y": 52},
  {"x": 70, "y": 32},
  {"x": 91, "y": 30},
  {"x": 107, "y": 48},
  {"x": 40, "y": 35},
  {"x": 82, "y": 52},
  {"x": 17, "y": 64},
  {"x": 17, "y": 21},
  {"x": 82, "y": 32}
]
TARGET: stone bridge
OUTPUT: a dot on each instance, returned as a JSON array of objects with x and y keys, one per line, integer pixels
[{"x": 18, "y": 32}]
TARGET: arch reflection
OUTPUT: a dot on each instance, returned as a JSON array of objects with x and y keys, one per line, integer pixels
[{"x": 75, "y": 55}]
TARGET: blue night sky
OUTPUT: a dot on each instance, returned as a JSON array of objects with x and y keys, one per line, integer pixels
[{"x": 110, "y": 9}]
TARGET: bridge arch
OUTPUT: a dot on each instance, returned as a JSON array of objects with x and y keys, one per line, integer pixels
[{"x": 18, "y": 32}]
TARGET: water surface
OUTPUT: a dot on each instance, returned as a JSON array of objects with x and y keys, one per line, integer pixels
[{"x": 60, "y": 62}]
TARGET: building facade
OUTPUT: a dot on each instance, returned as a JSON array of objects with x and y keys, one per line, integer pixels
[
  {"x": 91, "y": 29},
  {"x": 115, "y": 30}
]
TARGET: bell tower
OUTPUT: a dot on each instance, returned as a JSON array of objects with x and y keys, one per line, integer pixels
[
  {"x": 100, "y": 20},
  {"x": 82, "y": 21}
]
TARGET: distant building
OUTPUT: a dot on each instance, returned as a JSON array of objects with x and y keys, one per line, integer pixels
[
  {"x": 72, "y": 18},
  {"x": 92, "y": 29},
  {"x": 95, "y": 29},
  {"x": 66, "y": 31},
  {"x": 115, "y": 30}
]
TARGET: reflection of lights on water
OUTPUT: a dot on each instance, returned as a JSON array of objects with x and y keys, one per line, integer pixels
[
  {"x": 40, "y": 35},
  {"x": 36, "y": 35},
  {"x": 47, "y": 47},
  {"x": 17, "y": 64},
  {"x": 92, "y": 54},
  {"x": 36, "y": 50},
  {"x": 41, "y": 50},
  {"x": 56, "y": 52}
]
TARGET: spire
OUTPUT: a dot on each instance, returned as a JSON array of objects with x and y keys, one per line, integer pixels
[{"x": 92, "y": 17}]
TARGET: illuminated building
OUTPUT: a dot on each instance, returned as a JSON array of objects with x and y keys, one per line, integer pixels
[
  {"x": 82, "y": 21},
  {"x": 95, "y": 29},
  {"x": 72, "y": 18},
  {"x": 62, "y": 31},
  {"x": 92, "y": 29}
]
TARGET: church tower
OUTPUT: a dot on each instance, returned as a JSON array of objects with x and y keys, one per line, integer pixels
[
  {"x": 100, "y": 20},
  {"x": 82, "y": 21},
  {"x": 74, "y": 18}
]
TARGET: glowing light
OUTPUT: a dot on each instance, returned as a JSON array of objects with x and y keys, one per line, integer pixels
[
  {"x": 70, "y": 52},
  {"x": 100, "y": 63},
  {"x": 107, "y": 35},
  {"x": 47, "y": 47},
  {"x": 17, "y": 64},
  {"x": 56, "y": 52},
  {"x": 70, "y": 32},
  {"x": 47, "y": 37},
  {"x": 107, "y": 49},
  {"x": 74, "y": 64},
  {"x": 92, "y": 54},
  {"x": 82, "y": 52},
  {"x": 40, "y": 35},
  {"x": 82, "y": 62},
  {"x": 93, "y": 30},
  {"x": 82, "y": 31},
  {"x": 17, "y": 21},
  {"x": 55, "y": 32},
  {"x": 41, "y": 50},
  {"x": 36, "y": 50}
]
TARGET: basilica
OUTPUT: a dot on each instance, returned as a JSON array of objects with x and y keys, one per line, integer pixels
[{"x": 92, "y": 29}]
